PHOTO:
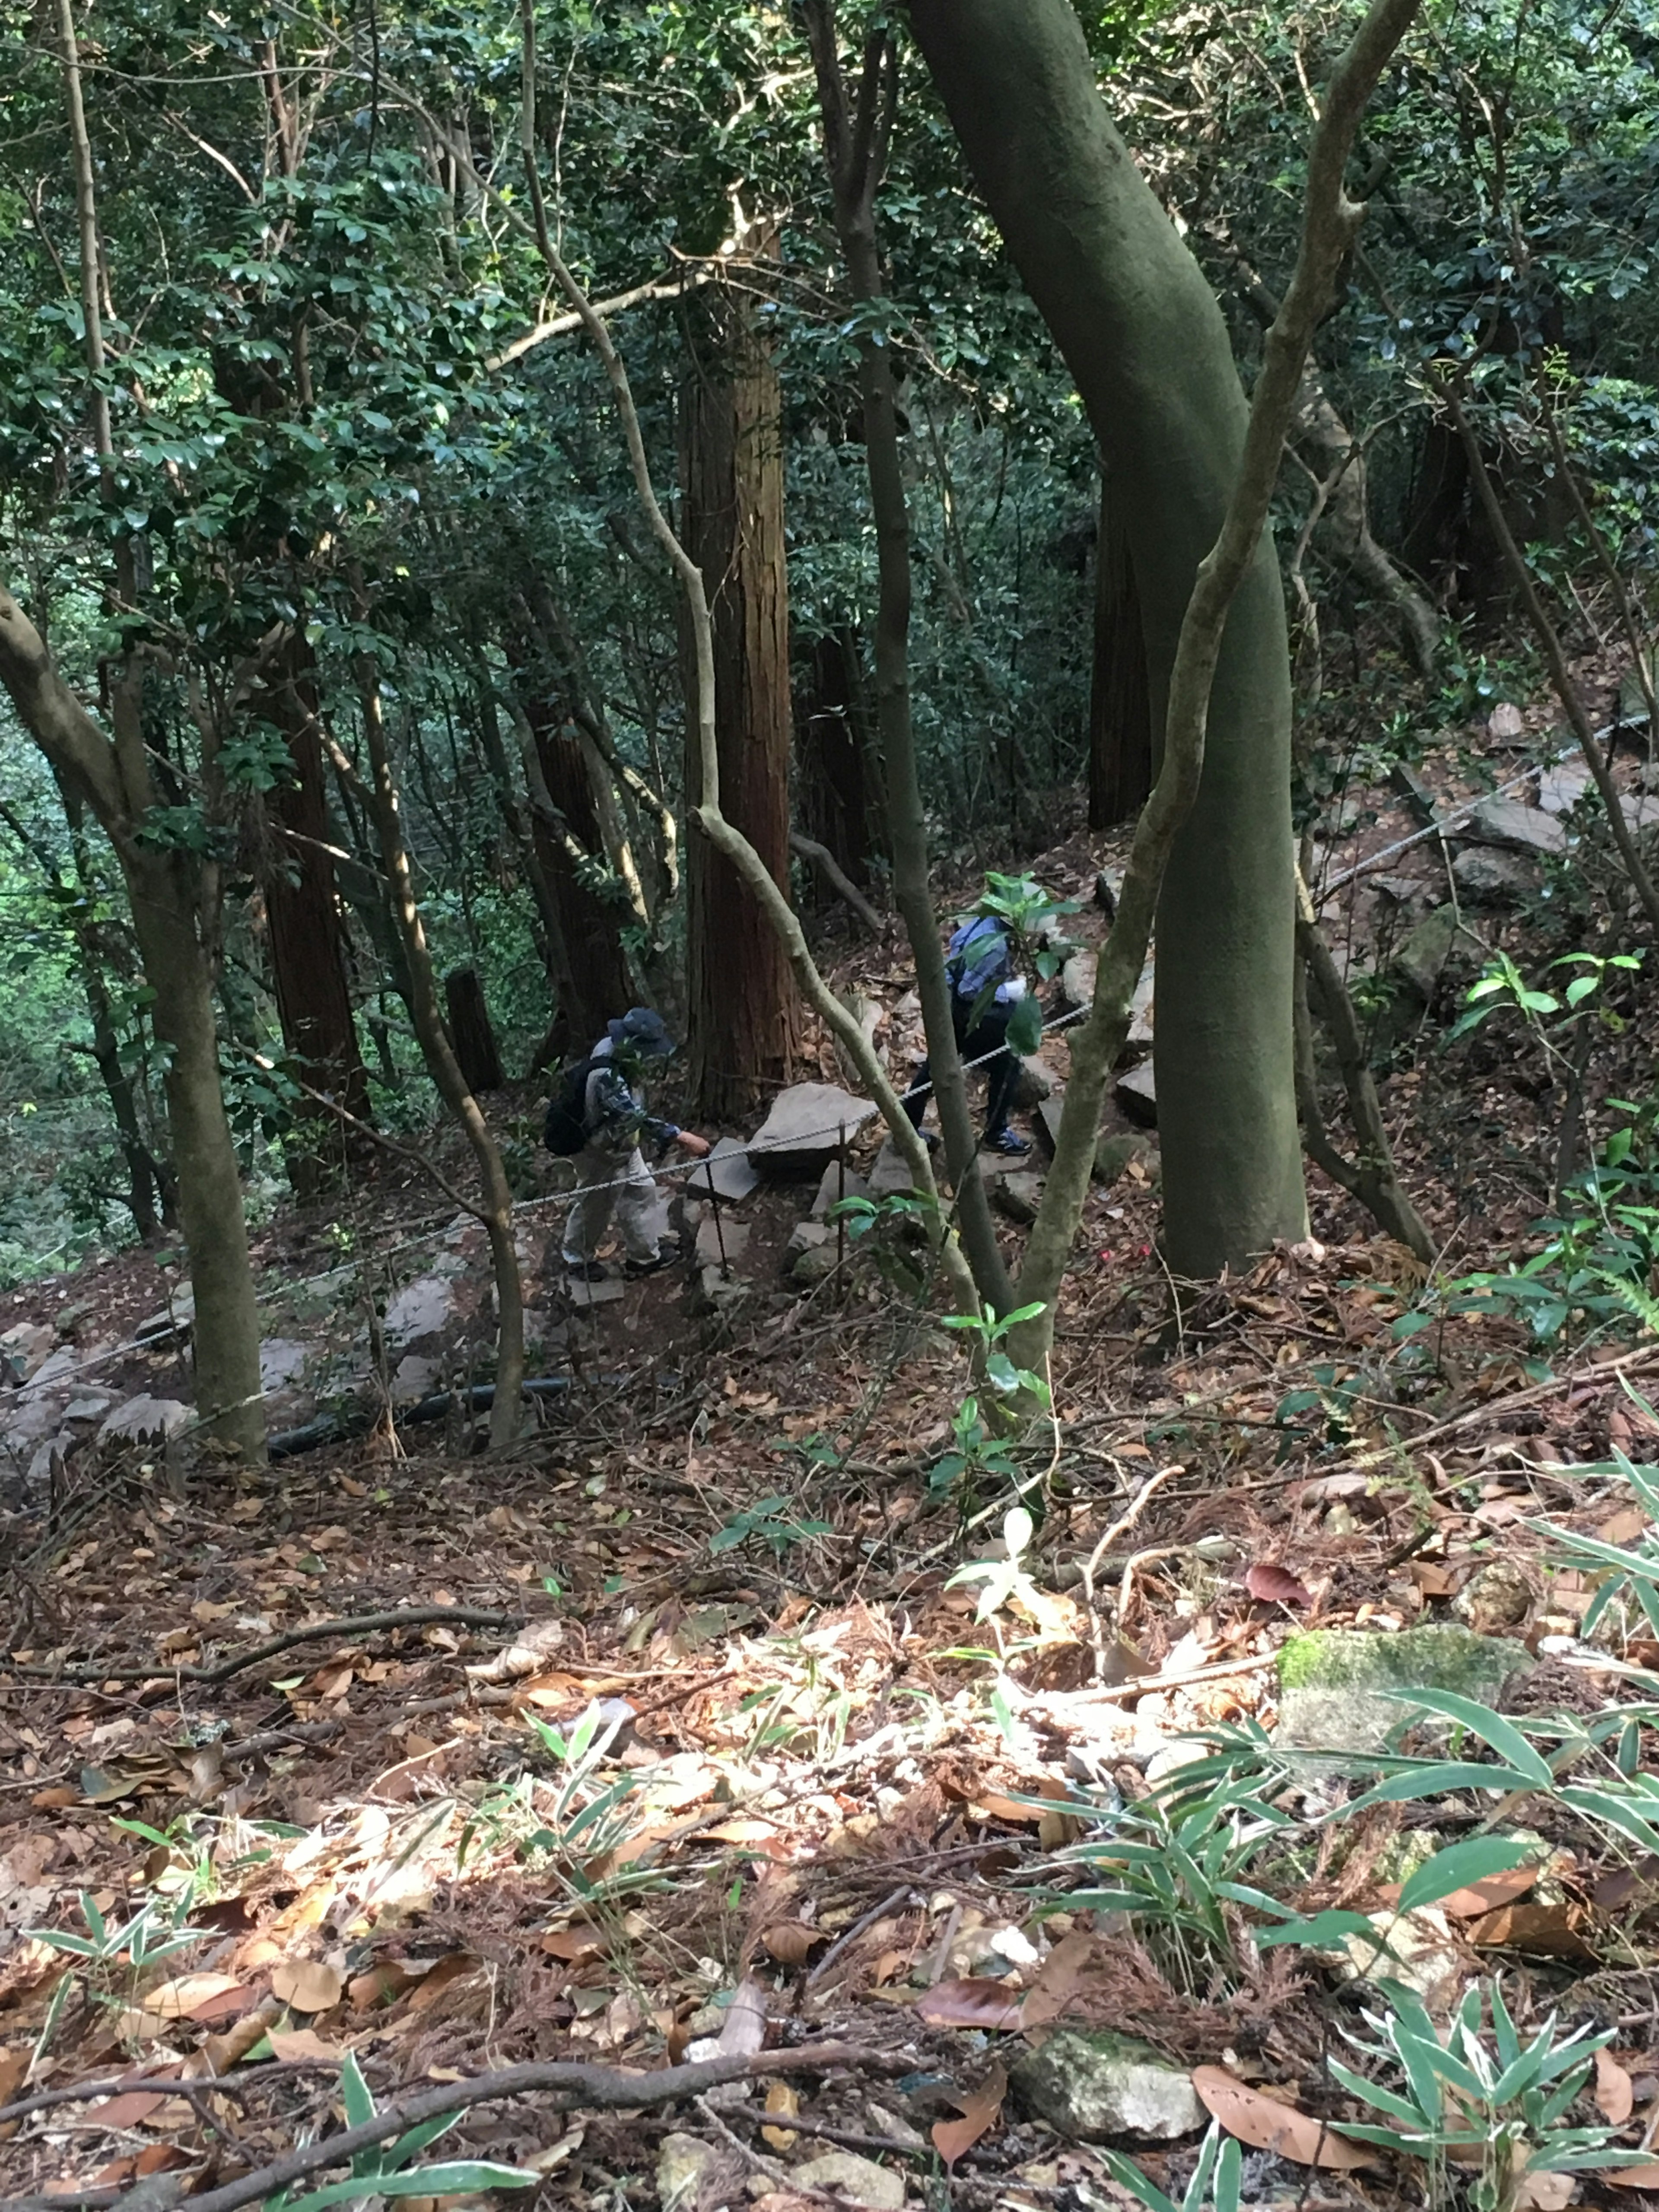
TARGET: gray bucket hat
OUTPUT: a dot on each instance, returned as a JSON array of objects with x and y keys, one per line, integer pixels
[{"x": 641, "y": 1030}]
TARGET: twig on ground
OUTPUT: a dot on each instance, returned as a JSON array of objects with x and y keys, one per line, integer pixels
[
  {"x": 604, "y": 2088},
  {"x": 244, "y": 2079},
  {"x": 1120, "y": 1527},
  {"x": 368, "y": 1624},
  {"x": 889, "y": 1904}
]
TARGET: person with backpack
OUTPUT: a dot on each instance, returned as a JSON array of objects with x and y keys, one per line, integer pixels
[
  {"x": 985, "y": 989},
  {"x": 597, "y": 1121}
]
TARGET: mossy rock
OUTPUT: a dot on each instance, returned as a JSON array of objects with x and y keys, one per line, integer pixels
[
  {"x": 1333, "y": 1683},
  {"x": 1093, "y": 2086}
]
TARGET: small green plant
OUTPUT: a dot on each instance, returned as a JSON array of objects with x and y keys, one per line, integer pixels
[
  {"x": 977, "y": 1455},
  {"x": 138, "y": 1944},
  {"x": 1214, "y": 2186},
  {"x": 771, "y": 1520},
  {"x": 587, "y": 1822},
  {"x": 1483, "y": 2097},
  {"x": 384, "y": 2169},
  {"x": 990, "y": 1333}
]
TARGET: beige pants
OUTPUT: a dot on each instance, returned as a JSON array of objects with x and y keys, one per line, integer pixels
[{"x": 606, "y": 1180}]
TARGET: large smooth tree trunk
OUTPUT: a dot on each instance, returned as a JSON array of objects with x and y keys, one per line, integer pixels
[
  {"x": 1120, "y": 705},
  {"x": 307, "y": 932},
  {"x": 1143, "y": 336},
  {"x": 834, "y": 800},
  {"x": 114, "y": 781},
  {"x": 743, "y": 1011}
]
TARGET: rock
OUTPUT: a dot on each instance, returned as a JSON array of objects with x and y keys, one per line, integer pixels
[
  {"x": 1438, "y": 943},
  {"x": 1561, "y": 788},
  {"x": 1036, "y": 1082},
  {"x": 542, "y": 1332},
  {"x": 1333, "y": 1681},
  {"x": 1507, "y": 822},
  {"x": 412, "y": 1379},
  {"x": 23, "y": 1348},
  {"x": 890, "y": 1176},
  {"x": 1500, "y": 1594},
  {"x": 1486, "y": 877},
  {"x": 1426, "y": 1958},
  {"x": 1114, "y": 1151},
  {"x": 282, "y": 1362},
  {"x": 839, "y": 1181},
  {"x": 90, "y": 1406},
  {"x": 1018, "y": 1196},
  {"x": 728, "y": 1168},
  {"x": 814, "y": 1266},
  {"x": 711, "y": 1232},
  {"x": 34, "y": 1418},
  {"x": 1107, "y": 884},
  {"x": 682, "y": 2162},
  {"x": 807, "y": 1237},
  {"x": 174, "y": 1320},
  {"x": 420, "y": 1313},
  {"x": 861, "y": 2180},
  {"x": 49, "y": 1457},
  {"x": 1048, "y": 1121},
  {"x": 1076, "y": 979},
  {"x": 605, "y": 1293},
  {"x": 805, "y": 1127},
  {"x": 1136, "y": 1092},
  {"x": 720, "y": 1290},
  {"x": 145, "y": 1419},
  {"x": 1641, "y": 812},
  {"x": 1505, "y": 723},
  {"x": 1141, "y": 1010},
  {"x": 1091, "y": 2085},
  {"x": 51, "y": 1373}
]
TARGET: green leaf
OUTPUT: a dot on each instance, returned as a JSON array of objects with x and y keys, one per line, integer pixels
[
  {"x": 459, "y": 2178},
  {"x": 1499, "y": 1735},
  {"x": 1459, "y": 1866},
  {"x": 1435, "y": 1781},
  {"x": 1025, "y": 1027}
]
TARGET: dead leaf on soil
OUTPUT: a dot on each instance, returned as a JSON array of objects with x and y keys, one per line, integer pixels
[
  {"x": 1615, "y": 2097},
  {"x": 1056, "y": 1984},
  {"x": 306, "y": 1984},
  {"x": 1547, "y": 1932},
  {"x": 1275, "y": 1585},
  {"x": 1479, "y": 1897},
  {"x": 126, "y": 2111},
  {"x": 194, "y": 1996},
  {"x": 1545, "y": 2192},
  {"x": 973, "y": 2002},
  {"x": 573, "y": 1944},
  {"x": 302, "y": 2043},
  {"x": 378, "y": 1985},
  {"x": 1631, "y": 2177},
  {"x": 792, "y": 1942},
  {"x": 1434, "y": 1580},
  {"x": 744, "y": 2029},
  {"x": 782, "y": 2098},
  {"x": 981, "y": 2111},
  {"x": 1267, "y": 2125}
]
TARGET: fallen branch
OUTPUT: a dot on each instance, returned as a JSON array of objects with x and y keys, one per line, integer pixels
[
  {"x": 603, "y": 2088},
  {"x": 837, "y": 878},
  {"x": 368, "y": 1623}
]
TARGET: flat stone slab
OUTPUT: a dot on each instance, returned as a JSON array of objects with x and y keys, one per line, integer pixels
[
  {"x": 890, "y": 1176},
  {"x": 806, "y": 1127},
  {"x": 412, "y": 1379},
  {"x": 145, "y": 1419},
  {"x": 1561, "y": 788},
  {"x": 1438, "y": 942},
  {"x": 175, "y": 1317},
  {"x": 839, "y": 1181},
  {"x": 1091, "y": 2086},
  {"x": 808, "y": 1237},
  {"x": 605, "y": 1293},
  {"x": 735, "y": 1233},
  {"x": 1641, "y": 811},
  {"x": 1136, "y": 1092},
  {"x": 282, "y": 1362},
  {"x": 25, "y": 1348},
  {"x": 90, "y": 1406},
  {"x": 51, "y": 1373},
  {"x": 1523, "y": 828},
  {"x": 1018, "y": 1196},
  {"x": 422, "y": 1310},
  {"x": 728, "y": 1168}
]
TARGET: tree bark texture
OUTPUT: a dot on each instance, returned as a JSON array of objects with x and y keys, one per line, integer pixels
[
  {"x": 742, "y": 1012},
  {"x": 471, "y": 1030},
  {"x": 495, "y": 1212},
  {"x": 302, "y": 910},
  {"x": 833, "y": 802},
  {"x": 565, "y": 829},
  {"x": 1145, "y": 339},
  {"x": 1120, "y": 703},
  {"x": 114, "y": 780}
]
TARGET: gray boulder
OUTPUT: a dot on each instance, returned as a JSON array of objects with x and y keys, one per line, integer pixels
[
  {"x": 1523, "y": 829},
  {"x": 806, "y": 1127},
  {"x": 1437, "y": 945},
  {"x": 1091, "y": 2086},
  {"x": 145, "y": 1419},
  {"x": 1136, "y": 1092},
  {"x": 728, "y": 1169},
  {"x": 420, "y": 1314},
  {"x": 1487, "y": 877}
]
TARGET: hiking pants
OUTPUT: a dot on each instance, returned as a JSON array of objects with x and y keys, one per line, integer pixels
[
  {"x": 989, "y": 1035},
  {"x": 597, "y": 1169}
]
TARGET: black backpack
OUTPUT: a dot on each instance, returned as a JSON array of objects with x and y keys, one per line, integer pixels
[{"x": 565, "y": 1130}]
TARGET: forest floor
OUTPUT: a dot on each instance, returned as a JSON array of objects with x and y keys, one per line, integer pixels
[{"x": 826, "y": 1791}]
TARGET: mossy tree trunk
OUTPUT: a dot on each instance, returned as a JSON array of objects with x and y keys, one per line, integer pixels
[{"x": 1144, "y": 337}]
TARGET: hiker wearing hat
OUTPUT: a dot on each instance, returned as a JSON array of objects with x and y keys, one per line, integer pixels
[
  {"x": 598, "y": 1122},
  {"x": 979, "y": 964}
]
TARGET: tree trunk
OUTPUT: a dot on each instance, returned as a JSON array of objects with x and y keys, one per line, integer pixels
[
  {"x": 565, "y": 831},
  {"x": 114, "y": 781},
  {"x": 1142, "y": 334},
  {"x": 742, "y": 1012},
  {"x": 496, "y": 1210},
  {"x": 1120, "y": 707},
  {"x": 833, "y": 800},
  {"x": 471, "y": 1031},
  {"x": 307, "y": 936}
]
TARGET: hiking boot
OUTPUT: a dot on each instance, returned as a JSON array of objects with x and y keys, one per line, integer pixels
[
  {"x": 636, "y": 1268},
  {"x": 1008, "y": 1141},
  {"x": 584, "y": 1271}
]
